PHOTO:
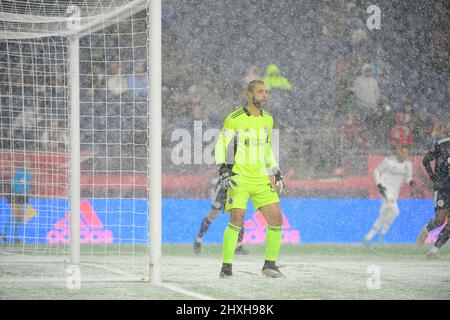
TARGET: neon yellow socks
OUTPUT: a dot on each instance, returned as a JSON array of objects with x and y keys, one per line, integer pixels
[
  {"x": 273, "y": 242},
  {"x": 230, "y": 239}
]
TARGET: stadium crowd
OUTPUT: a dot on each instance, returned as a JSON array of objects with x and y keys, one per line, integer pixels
[{"x": 337, "y": 88}]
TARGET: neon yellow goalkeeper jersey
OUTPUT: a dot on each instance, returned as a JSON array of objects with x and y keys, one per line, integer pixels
[{"x": 245, "y": 141}]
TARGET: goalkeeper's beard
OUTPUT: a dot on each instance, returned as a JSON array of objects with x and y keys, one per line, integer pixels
[{"x": 258, "y": 103}]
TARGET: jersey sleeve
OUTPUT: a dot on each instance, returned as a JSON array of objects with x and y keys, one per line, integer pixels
[
  {"x": 379, "y": 170},
  {"x": 271, "y": 161},
  {"x": 225, "y": 137},
  {"x": 430, "y": 156},
  {"x": 409, "y": 172},
  {"x": 28, "y": 177}
]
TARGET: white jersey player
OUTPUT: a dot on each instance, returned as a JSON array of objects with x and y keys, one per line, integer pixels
[{"x": 390, "y": 174}]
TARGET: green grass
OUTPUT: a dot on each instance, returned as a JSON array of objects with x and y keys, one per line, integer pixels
[{"x": 313, "y": 271}]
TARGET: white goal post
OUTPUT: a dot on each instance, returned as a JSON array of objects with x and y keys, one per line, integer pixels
[
  {"x": 113, "y": 133},
  {"x": 155, "y": 155}
]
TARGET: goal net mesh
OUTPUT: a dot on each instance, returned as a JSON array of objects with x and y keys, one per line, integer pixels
[{"x": 35, "y": 150}]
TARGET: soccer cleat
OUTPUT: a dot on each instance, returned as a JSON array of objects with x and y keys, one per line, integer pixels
[
  {"x": 241, "y": 250},
  {"x": 432, "y": 256},
  {"x": 197, "y": 247},
  {"x": 226, "y": 271},
  {"x": 381, "y": 237},
  {"x": 367, "y": 244},
  {"x": 423, "y": 235},
  {"x": 271, "y": 270}
]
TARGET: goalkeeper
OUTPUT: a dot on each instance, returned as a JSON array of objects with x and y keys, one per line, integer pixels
[{"x": 252, "y": 173}]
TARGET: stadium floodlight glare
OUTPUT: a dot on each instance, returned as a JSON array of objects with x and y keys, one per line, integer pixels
[{"x": 84, "y": 65}]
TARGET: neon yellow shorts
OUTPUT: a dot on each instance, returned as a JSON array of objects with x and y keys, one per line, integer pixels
[{"x": 262, "y": 194}]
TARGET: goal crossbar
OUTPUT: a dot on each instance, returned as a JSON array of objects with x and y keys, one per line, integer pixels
[{"x": 87, "y": 25}]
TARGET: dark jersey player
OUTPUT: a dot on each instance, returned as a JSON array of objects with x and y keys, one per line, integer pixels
[
  {"x": 219, "y": 197},
  {"x": 440, "y": 153}
]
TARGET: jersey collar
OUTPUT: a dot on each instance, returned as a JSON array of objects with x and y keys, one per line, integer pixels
[
  {"x": 248, "y": 112},
  {"x": 438, "y": 142}
]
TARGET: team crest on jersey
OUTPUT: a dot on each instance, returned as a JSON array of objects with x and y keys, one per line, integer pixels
[
  {"x": 440, "y": 203},
  {"x": 266, "y": 130},
  {"x": 230, "y": 200},
  {"x": 226, "y": 132}
]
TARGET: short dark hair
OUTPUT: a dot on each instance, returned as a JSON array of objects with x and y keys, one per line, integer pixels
[{"x": 251, "y": 85}]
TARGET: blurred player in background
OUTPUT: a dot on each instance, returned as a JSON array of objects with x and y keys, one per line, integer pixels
[
  {"x": 252, "y": 173},
  {"x": 441, "y": 180},
  {"x": 18, "y": 199},
  {"x": 218, "y": 204},
  {"x": 389, "y": 176}
]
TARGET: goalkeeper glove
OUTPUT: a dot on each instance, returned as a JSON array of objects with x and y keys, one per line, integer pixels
[
  {"x": 381, "y": 190},
  {"x": 279, "y": 181},
  {"x": 226, "y": 177}
]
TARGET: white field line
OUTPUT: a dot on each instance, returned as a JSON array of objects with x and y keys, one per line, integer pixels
[
  {"x": 185, "y": 292},
  {"x": 34, "y": 280},
  {"x": 127, "y": 277},
  {"x": 160, "y": 284},
  {"x": 28, "y": 258}
]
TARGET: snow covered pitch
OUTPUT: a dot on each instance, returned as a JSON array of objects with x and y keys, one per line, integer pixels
[{"x": 312, "y": 271}]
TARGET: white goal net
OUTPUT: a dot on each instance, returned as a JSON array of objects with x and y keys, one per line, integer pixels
[{"x": 64, "y": 62}]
